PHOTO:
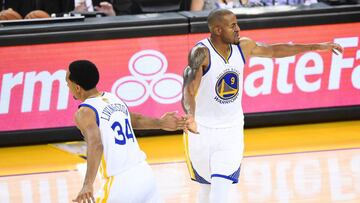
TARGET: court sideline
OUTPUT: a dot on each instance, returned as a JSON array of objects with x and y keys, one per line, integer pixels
[{"x": 299, "y": 163}]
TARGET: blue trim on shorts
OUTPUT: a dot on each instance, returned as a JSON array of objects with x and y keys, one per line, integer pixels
[
  {"x": 93, "y": 108},
  {"x": 225, "y": 177},
  {"x": 233, "y": 177},
  {"x": 198, "y": 178}
]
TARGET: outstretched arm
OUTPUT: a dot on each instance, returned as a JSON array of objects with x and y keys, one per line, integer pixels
[
  {"x": 198, "y": 61},
  {"x": 169, "y": 121},
  {"x": 86, "y": 122},
  {"x": 284, "y": 50}
]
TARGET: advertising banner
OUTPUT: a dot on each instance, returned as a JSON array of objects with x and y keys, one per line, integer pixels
[{"x": 147, "y": 74}]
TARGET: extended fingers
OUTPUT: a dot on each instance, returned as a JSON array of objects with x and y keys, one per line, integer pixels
[
  {"x": 181, "y": 123},
  {"x": 89, "y": 197},
  {"x": 336, "y": 48},
  {"x": 339, "y": 48},
  {"x": 84, "y": 198}
]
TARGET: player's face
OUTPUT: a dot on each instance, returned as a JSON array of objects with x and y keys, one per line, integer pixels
[
  {"x": 230, "y": 29},
  {"x": 71, "y": 85}
]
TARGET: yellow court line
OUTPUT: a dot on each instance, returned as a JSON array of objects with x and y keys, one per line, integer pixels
[
  {"x": 170, "y": 148},
  {"x": 269, "y": 140},
  {"x": 302, "y": 138},
  {"x": 36, "y": 159}
]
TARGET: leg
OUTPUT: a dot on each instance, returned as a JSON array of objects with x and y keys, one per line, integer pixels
[
  {"x": 220, "y": 190},
  {"x": 225, "y": 162},
  {"x": 204, "y": 194}
]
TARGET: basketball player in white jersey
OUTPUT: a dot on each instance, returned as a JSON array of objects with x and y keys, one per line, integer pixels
[
  {"x": 107, "y": 127},
  {"x": 212, "y": 93}
]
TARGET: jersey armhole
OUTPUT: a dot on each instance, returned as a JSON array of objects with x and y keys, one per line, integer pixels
[
  {"x": 92, "y": 108},
  {"x": 209, "y": 65},
  {"x": 242, "y": 55}
]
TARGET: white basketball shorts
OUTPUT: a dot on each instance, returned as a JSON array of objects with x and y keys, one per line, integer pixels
[
  {"x": 136, "y": 185},
  {"x": 215, "y": 152}
]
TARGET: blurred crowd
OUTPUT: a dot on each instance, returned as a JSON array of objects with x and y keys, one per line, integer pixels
[{"x": 31, "y": 9}]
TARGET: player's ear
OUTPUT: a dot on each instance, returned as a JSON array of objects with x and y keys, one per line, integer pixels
[
  {"x": 217, "y": 30},
  {"x": 77, "y": 88}
]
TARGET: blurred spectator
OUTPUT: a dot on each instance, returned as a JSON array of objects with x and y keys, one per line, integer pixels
[
  {"x": 198, "y": 5},
  {"x": 61, "y": 7},
  {"x": 340, "y": 2},
  {"x": 88, "y": 6},
  {"x": 109, "y": 7},
  {"x": 10, "y": 14},
  {"x": 288, "y": 2}
]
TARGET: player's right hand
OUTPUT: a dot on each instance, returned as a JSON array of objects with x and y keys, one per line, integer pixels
[
  {"x": 330, "y": 46},
  {"x": 190, "y": 125},
  {"x": 85, "y": 195}
]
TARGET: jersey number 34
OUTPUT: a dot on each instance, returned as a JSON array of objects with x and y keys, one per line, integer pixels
[{"x": 122, "y": 137}]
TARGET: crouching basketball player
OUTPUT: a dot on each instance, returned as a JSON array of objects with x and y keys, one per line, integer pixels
[{"x": 107, "y": 127}]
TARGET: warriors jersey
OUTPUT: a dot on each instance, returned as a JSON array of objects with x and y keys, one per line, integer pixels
[
  {"x": 218, "y": 99},
  {"x": 121, "y": 149}
]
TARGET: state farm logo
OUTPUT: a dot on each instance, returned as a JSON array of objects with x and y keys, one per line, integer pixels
[{"x": 148, "y": 79}]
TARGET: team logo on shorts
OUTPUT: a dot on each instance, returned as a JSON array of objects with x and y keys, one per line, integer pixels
[{"x": 227, "y": 86}]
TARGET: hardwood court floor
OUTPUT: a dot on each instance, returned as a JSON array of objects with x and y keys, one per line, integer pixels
[{"x": 314, "y": 163}]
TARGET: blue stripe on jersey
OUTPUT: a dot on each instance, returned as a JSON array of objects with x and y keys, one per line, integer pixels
[
  {"x": 93, "y": 108},
  {"x": 233, "y": 177},
  {"x": 231, "y": 51},
  {"x": 242, "y": 55}
]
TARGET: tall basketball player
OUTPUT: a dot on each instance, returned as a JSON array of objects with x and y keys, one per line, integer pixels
[
  {"x": 107, "y": 127},
  {"x": 212, "y": 92}
]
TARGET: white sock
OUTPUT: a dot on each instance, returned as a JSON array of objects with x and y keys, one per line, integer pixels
[
  {"x": 204, "y": 194},
  {"x": 219, "y": 190}
]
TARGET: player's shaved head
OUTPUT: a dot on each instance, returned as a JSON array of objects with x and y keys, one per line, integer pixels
[{"x": 216, "y": 17}]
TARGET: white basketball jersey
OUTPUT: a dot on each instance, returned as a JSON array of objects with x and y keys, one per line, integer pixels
[
  {"x": 121, "y": 149},
  {"x": 218, "y": 100}
]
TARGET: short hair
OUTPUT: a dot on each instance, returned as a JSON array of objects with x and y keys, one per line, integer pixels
[
  {"x": 216, "y": 16},
  {"x": 84, "y": 73}
]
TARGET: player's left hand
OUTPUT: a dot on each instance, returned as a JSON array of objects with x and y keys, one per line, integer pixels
[
  {"x": 334, "y": 47},
  {"x": 171, "y": 122},
  {"x": 85, "y": 195}
]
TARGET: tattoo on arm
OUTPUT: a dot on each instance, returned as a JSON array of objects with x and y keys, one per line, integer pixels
[
  {"x": 197, "y": 56},
  {"x": 189, "y": 75},
  {"x": 196, "y": 60}
]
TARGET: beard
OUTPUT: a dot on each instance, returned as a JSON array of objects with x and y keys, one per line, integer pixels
[{"x": 236, "y": 40}]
